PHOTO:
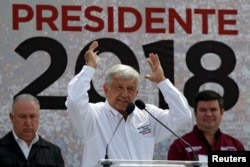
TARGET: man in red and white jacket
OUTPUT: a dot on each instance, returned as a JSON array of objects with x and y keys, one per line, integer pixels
[{"x": 206, "y": 135}]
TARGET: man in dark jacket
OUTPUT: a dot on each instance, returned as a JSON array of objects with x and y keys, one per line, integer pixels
[{"x": 23, "y": 147}]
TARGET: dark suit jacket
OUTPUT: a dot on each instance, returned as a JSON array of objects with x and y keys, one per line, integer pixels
[{"x": 42, "y": 153}]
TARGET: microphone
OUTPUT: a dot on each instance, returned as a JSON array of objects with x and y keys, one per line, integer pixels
[
  {"x": 141, "y": 105},
  {"x": 129, "y": 109}
]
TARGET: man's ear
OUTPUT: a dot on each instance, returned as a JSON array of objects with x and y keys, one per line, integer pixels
[
  {"x": 11, "y": 116},
  {"x": 195, "y": 113},
  {"x": 222, "y": 111},
  {"x": 137, "y": 91},
  {"x": 105, "y": 88}
]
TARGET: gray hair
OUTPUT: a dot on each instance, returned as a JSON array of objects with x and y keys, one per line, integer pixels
[
  {"x": 122, "y": 71},
  {"x": 25, "y": 97}
]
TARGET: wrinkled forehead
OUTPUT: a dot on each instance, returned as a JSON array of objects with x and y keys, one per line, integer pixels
[{"x": 124, "y": 81}]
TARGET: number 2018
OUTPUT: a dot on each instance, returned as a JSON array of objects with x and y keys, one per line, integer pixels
[{"x": 165, "y": 50}]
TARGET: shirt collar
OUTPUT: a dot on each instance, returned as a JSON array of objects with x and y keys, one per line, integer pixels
[
  {"x": 19, "y": 139},
  {"x": 113, "y": 111},
  {"x": 200, "y": 133}
]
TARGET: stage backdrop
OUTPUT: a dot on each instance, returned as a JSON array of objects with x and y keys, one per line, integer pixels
[{"x": 201, "y": 44}]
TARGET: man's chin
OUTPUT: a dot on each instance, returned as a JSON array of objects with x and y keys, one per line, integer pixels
[
  {"x": 28, "y": 134},
  {"x": 122, "y": 105},
  {"x": 210, "y": 126}
]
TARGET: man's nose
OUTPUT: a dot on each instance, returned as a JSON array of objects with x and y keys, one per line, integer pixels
[
  {"x": 125, "y": 92},
  {"x": 28, "y": 121},
  {"x": 208, "y": 112}
]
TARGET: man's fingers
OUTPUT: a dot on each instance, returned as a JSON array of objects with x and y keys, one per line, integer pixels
[{"x": 93, "y": 46}]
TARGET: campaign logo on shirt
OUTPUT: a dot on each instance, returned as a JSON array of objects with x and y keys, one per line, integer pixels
[
  {"x": 228, "y": 148},
  {"x": 146, "y": 129},
  {"x": 195, "y": 148}
]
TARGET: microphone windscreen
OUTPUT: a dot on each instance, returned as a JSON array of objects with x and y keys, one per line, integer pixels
[
  {"x": 140, "y": 104},
  {"x": 130, "y": 108}
]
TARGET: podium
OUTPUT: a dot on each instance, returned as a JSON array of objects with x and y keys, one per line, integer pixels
[{"x": 148, "y": 163}]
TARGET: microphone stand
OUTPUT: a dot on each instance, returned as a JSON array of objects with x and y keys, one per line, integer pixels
[
  {"x": 129, "y": 109},
  {"x": 140, "y": 104},
  {"x": 195, "y": 156},
  {"x": 106, "y": 163}
]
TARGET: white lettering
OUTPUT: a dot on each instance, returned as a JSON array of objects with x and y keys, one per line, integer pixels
[{"x": 216, "y": 158}]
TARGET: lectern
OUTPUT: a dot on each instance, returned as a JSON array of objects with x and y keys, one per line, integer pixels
[{"x": 148, "y": 163}]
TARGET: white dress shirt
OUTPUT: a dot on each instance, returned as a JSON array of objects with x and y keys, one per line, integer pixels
[
  {"x": 135, "y": 138},
  {"x": 23, "y": 145}
]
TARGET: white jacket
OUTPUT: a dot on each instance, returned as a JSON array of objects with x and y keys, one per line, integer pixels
[{"x": 135, "y": 137}]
